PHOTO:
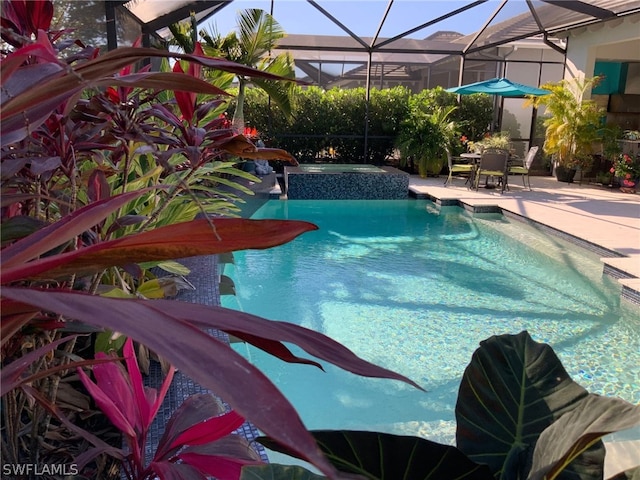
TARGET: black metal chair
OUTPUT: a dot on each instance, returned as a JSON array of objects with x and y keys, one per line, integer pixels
[{"x": 493, "y": 163}]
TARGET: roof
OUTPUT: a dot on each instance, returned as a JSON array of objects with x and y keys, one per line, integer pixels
[
  {"x": 549, "y": 18},
  {"x": 541, "y": 21}
]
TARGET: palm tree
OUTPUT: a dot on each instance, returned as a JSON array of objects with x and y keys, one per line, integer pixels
[
  {"x": 251, "y": 45},
  {"x": 573, "y": 124}
]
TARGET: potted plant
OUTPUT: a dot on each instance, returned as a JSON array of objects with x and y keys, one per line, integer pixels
[
  {"x": 572, "y": 126},
  {"x": 424, "y": 137},
  {"x": 626, "y": 170}
]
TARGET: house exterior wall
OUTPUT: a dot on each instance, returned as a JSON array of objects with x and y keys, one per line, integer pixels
[{"x": 617, "y": 40}]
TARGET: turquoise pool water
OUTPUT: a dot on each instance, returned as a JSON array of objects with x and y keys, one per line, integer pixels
[{"x": 415, "y": 289}]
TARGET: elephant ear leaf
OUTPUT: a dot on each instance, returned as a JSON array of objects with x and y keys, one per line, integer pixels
[
  {"x": 579, "y": 430},
  {"x": 512, "y": 390},
  {"x": 383, "y": 456}
]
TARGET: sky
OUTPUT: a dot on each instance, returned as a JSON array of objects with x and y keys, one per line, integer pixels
[{"x": 363, "y": 17}]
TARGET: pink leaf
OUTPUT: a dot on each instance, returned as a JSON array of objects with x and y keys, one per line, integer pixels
[
  {"x": 210, "y": 430},
  {"x": 176, "y": 471},
  {"x": 107, "y": 406},
  {"x": 114, "y": 382},
  {"x": 218, "y": 467},
  {"x": 136, "y": 383}
]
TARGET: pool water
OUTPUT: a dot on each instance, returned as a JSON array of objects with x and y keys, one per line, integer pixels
[{"x": 415, "y": 289}]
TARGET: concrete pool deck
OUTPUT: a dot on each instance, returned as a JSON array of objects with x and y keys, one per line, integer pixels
[{"x": 606, "y": 218}]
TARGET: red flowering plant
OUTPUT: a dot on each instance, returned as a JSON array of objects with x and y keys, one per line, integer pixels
[{"x": 626, "y": 169}]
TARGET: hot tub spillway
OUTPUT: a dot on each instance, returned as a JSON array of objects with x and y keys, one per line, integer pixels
[{"x": 345, "y": 182}]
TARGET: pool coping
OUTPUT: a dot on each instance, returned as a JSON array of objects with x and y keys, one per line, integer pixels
[{"x": 620, "y": 266}]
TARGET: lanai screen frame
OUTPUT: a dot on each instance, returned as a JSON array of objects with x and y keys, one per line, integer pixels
[{"x": 567, "y": 15}]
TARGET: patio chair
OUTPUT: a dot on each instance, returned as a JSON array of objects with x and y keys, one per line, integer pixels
[
  {"x": 493, "y": 163},
  {"x": 523, "y": 170},
  {"x": 458, "y": 168}
]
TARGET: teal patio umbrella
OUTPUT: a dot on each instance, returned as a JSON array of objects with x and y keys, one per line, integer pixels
[
  {"x": 499, "y": 86},
  {"x": 503, "y": 87}
]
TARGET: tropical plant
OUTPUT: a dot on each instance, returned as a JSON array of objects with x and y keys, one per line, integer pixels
[
  {"x": 572, "y": 123},
  {"x": 197, "y": 438},
  {"x": 425, "y": 136},
  {"x": 518, "y": 415},
  {"x": 104, "y": 170},
  {"x": 473, "y": 115},
  {"x": 257, "y": 36}
]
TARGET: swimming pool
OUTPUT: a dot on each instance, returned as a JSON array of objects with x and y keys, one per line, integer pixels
[{"x": 415, "y": 289}]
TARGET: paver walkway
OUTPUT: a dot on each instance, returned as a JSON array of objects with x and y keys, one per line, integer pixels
[{"x": 603, "y": 217}]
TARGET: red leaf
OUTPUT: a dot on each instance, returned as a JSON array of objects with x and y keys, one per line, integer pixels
[
  {"x": 186, "y": 100},
  {"x": 195, "y": 69},
  {"x": 136, "y": 383},
  {"x": 40, "y": 14},
  {"x": 194, "y": 410},
  {"x": 98, "y": 186},
  {"x": 165, "y": 243},
  {"x": 64, "y": 230},
  {"x": 234, "y": 446},
  {"x": 104, "y": 402},
  {"x": 176, "y": 471},
  {"x": 210, "y": 430},
  {"x": 211, "y": 363},
  {"x": 218, "y": 467},
  {"x": 276, "y": 349}
]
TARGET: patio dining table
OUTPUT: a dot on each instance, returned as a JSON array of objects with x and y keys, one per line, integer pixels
[{"x": 474, "y": 158}]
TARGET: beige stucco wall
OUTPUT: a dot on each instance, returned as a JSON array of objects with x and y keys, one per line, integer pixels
[{"x": 615, "y": 40}]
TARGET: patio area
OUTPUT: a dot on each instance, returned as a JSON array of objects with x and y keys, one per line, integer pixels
[{"x": 601, "y": 219}]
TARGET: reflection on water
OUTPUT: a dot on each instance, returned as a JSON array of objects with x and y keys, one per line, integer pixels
[{"x": 415, "y": 289}]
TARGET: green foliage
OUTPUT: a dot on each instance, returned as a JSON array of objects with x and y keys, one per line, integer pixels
[
  {"x": 334, "y": 119},
  {"x": 519, "y": 415},
  {"x": 424, "y": 137},
  {"x": 572, "y": 124},
  {"x": 388, "y": 108}
]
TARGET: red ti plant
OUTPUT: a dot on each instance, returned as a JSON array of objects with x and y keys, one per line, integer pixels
[
  {"x": 84, "y": 184},
  {"x": 196, "y": 435}
]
